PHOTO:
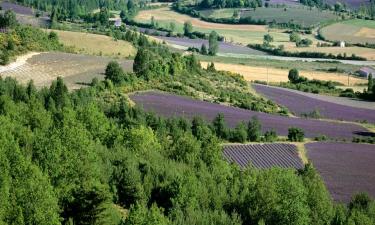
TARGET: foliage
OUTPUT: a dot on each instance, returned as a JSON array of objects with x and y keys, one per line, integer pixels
[
  {"x": 26, "y": 38},
  {"x": 254, "y": 129},
  {"x": 213, "y": 45},
  {"x": 296, "y": 134},
  {"x": 293, "y": 76}
]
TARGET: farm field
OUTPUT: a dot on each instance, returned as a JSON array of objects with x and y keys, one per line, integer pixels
[
  {"x": 346, "y": 168},
  {"x": 241, "y": 34},
  {"x": 351, "y": 3},
  {"x": 263, "y": 156},
  {"x": 76, "y": 70},
  {"x": 237, "y": 33},
  {"x": 172, "y": 105},
  {"x": 223, "y": 46},
  {"x": 299, "y": 15},
  {"x": 25, "y": 15},
  {"x": 320, "y": 66},
  {"x": 300, "y": 104},
  {"x": 94, "y": 44},
  {"x": 352, "y": 31},
  {"x": 253, "y": 73}
]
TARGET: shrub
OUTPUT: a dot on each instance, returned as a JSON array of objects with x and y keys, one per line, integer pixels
[
  {"x": 296, "y": 134},
  {"x": 270, "y": 136},
  {"x": 293, "y": 76}
]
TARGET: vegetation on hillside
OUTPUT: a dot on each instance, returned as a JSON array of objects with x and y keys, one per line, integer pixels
[{"x": 19, "y": 39}]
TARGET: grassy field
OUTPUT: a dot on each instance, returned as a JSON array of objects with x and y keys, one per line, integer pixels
[
  {"x": 299, "y": 15},
  {"x": 274, "y": 75},
  {"x": 279, "y": 64},
  {"x": 94, "y": 44},
  {"x": 237, "y": 33},
  {"x": 352, "y": 31}
]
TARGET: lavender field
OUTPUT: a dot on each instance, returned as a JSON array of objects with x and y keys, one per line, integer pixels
[
  {"x": 19, "y": 9},
  {"x": 264, "y": 156},
  {"x": 171, "y": 105},
  {"x": 346, "y": 168},
  {"x": 223, "y": 46},
  {"x": 300, "y": 104}
]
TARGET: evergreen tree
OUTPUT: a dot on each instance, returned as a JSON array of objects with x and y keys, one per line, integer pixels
[
  {"x": 213, "y": 45},
  {"x": 370, "y": 83},
  {"x": 114, "y": 72},
  {"x": 188, "y": 28},
  {"x": 254, "y": 129}
]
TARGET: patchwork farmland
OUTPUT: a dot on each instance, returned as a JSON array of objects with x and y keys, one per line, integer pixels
[
  {"x": 352, "y": 31},
  {"x": 300, "y": 15},
  {"x": 346, "y": 168},
  {"x": 300, "y": 104},
  {"x": 263, "y": 156},
  {"x": 172, "y": 105}
]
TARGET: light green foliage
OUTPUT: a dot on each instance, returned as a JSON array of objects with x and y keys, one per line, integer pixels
[
  {"x": 188, "y": 28},
  {"x": 296, "y": 134},
  {"x": 254, "y": 129},
  {"x": 213, "y": 45}
]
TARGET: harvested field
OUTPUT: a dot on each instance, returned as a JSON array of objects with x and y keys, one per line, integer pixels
[
  {"x": 95, "y": 44},
  {"x": 252, "y": 73},
  {"x": 166, "y": 14},
  {"x": 346, "y": 168},
  {"x": 172, "y": 105},
  {"x": 76, "y": 70},
  {"x": 300, "y": 104},
  {"x": 223, "y": 46},
  {"x": 243, "y": 34},
  {"x": 352, "y": 31},
  {"x": 264, "y": 156}
]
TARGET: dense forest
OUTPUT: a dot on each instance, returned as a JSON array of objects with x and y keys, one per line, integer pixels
[{"x": 91, "y": 157}]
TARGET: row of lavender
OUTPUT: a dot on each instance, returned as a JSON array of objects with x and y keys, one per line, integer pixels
[
  {"x": 264, "y": 156},
  {"x": 300, "y": 104},
  {"x": 171, "y": 106}
]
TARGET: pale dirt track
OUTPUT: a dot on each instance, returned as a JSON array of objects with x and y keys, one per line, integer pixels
[{"x": 251, "y": 73}]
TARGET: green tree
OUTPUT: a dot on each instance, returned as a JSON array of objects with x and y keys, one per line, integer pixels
[
  {"x": 268, "y": 38},
  {"x": 370, "y": 83},
  {"x": 254, "y": 128},
  {"x": 293, "y": 76},
  {"x": 294, "y": 37},
  {"x": 213, "y": 44},
  {"x": 203, "y": 50},
  {"x": 114, "y": 72},
  {"x": 220, "y": 126},
  {"x": 188, "y": 28},
  {"x": 296, "y": 134},
  {"x": 240, "y": 133}
]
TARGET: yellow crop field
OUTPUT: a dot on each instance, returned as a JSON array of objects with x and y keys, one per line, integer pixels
[
  {"x": 251, "y": 73},
  {"x": 94, "y": 44}
]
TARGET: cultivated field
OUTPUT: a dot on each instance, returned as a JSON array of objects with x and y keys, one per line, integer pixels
[
  {"x": 252, "y": 73},
  {"x": 76, "y": 70},
  {"x": 26, "y": 15},
  {"x": 223, "y": 46},
  {"x": 94, "y": 44},
  {"x": 264, "y": 156},
  {"x": 299, "y": 15},
  {"x": 171, "y": 105},
  {"x": 242, "y": 34},
  {"x": 237, "y": 33},
  {"x": 352, "y": 31},
  {"x": 300, "y": 104},
  {"x": 351, "y": 3},
  {"x": 346, "y": 168}
]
